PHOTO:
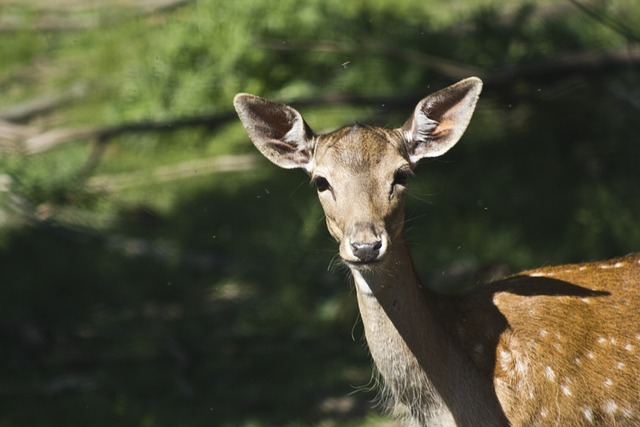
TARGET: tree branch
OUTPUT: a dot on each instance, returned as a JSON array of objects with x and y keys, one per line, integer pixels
[
  {"x": 48, "y": 140},
  {"x": 618, "y": 27},
  {"x": 80, "y": 16},
  {"x": 583, "y": 63},
  {"x": 435, "y": 63},
  {"x": 43, "y": 104},
  {"x": 573, "y": 63}
]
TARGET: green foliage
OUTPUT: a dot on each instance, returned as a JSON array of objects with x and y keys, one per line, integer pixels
[{"x": 51, "y": 179}]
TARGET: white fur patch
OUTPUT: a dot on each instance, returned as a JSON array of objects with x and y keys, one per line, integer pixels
[{"x": 361, "y": 283}]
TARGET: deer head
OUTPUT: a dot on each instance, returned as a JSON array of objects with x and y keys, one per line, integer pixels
[{"x": 361, "y": 172}]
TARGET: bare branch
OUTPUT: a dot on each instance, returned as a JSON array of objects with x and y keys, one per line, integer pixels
[
  {"x": 53, "y": 138},
  {"x": 78, "y": 16},
  {"x": 577, "y": 63},
  {"x": 188, "y": 169},
  {"x": 43, "y": 104},
  {"x": 435, "y": 63},
  {"x": 582, "y": 63},
  {"x": 608, "y": 21},
  {"x": 12, "y": 135}
]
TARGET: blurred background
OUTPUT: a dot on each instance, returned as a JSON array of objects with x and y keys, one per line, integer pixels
[{"x": 155, "y": 271}]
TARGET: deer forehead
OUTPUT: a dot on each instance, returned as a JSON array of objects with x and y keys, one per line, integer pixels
[{"x": 357, "y": 150}]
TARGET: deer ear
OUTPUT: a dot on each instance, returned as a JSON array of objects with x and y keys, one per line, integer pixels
[
  {"x": 278, "y": 131},
  {"x": 440, "y": 119}
]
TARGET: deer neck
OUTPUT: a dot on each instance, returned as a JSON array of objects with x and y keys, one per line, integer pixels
[{"x": 406, "y": 330}]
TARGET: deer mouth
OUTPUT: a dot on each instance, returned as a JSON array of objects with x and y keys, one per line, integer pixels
[{"x": 360, "y": 263}]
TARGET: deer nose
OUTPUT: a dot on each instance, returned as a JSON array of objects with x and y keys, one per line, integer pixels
[{"x": 366, "y": 252}]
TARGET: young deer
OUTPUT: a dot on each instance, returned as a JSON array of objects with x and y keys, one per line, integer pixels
[{"x": 553, "y": 346}]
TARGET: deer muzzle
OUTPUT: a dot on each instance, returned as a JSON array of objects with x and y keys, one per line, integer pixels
[{"x": 364, "y": 243}]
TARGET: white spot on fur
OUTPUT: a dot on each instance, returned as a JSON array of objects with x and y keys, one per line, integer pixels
[
  {"x": 505, "y": 360},
  {"x": 544, "y": 412},
  {"x": 585, "y": 300},
  {"x": 608, "y": 382},
  {"x": 540, "y": 274},
  {"x": 610, "y": 407},
  {"x": 588, "y": 413},
  {"x": 566, "y": 390},
  {"x": 628, "y": 347},
  {"x": 620, "y": 365},
  {"x": 543, "y": 332},
  {"x": 602, "y": 340},
  {"x": 583, "y": 268},
  {"x": 549, "y": 373},
  {"x": 613, "y": 341},
  {"x": 521, "y": 367},
  {"x": 590, "y": 355}
]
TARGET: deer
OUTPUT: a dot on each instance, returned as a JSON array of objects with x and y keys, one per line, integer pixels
[{"x": 553, "y": 346}]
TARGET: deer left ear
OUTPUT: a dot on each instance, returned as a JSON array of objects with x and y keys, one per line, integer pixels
[
  {"x": 277, "y": 130},
  {"x": 440, "y": 119}
]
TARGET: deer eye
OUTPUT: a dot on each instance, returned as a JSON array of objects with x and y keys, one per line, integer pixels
[
  {"x": 321, "y": 183},
  {"x": 401, "y": 177}
]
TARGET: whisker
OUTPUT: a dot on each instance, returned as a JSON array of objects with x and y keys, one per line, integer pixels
[
  {"x": 335, "y": 263},
  {"x": 297, "y": 188},
  {"x": 414, "y": 218},
  {"x": 422, "y": 198}
]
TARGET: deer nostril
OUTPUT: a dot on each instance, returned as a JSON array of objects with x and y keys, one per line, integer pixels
[{"x": 366, "y": 252}]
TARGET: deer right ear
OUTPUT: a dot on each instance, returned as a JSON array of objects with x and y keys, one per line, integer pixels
[
  {"x": 440, "y": 119},
  {"x": 277, "y": 130}
]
